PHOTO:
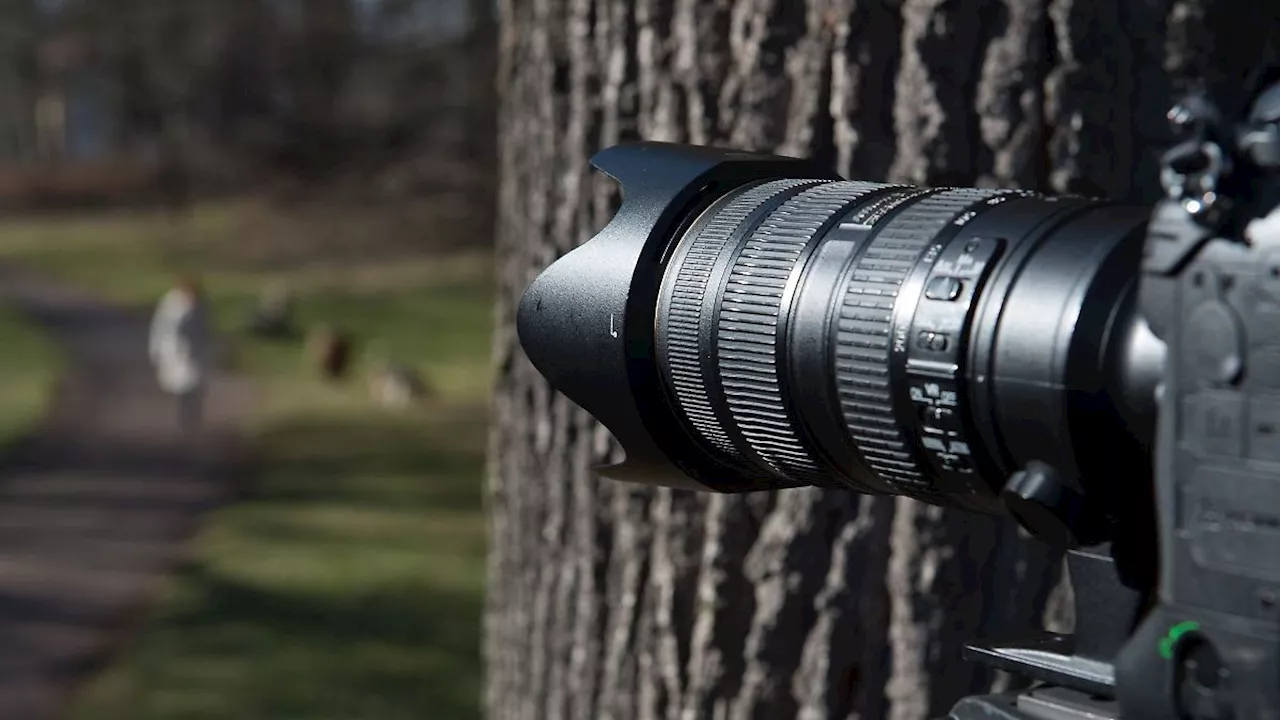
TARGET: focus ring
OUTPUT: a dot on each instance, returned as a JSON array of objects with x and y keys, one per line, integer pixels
[
  {"x": 864, "y": 334},
  {"x": 750, "y": 312},
  {"x": 683, "y": 348}
]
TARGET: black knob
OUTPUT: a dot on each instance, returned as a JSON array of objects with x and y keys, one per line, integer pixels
[{"x": 1050, "y": 509}]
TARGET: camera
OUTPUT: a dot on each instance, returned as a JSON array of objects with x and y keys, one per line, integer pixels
[{"x": 1108, "y": 376}]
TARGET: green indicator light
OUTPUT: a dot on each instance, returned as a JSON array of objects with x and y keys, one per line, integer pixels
[{"x": 1171, "y": 638}]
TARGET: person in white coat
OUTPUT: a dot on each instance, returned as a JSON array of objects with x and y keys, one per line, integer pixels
[{"x": 179, "y": 348}]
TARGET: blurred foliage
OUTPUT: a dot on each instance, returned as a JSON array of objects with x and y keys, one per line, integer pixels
[{"x": 348, "y": 582}]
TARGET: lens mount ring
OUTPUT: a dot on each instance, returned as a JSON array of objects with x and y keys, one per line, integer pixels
[
  {"x": 864, "y": 335},
  {"x": 751, "y": 309}
]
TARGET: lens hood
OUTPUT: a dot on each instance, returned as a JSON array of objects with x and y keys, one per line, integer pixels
[{"x": 587, "y": 322}]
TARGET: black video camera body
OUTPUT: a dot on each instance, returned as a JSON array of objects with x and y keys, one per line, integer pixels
[{"x": 1108, "y": 376}]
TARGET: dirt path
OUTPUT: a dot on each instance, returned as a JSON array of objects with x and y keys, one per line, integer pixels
[{"x": 98, "y": 504}]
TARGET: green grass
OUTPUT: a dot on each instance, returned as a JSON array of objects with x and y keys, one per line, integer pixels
[
  {"x": 29, "y": 367},
  {"x": 349, "y": 583}
]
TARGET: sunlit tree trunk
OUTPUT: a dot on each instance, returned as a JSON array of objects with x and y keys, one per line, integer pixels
[{"x": 615, "y": 601}]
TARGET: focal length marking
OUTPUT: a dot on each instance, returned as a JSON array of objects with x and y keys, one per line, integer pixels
[{"x": 866, "y": 334}]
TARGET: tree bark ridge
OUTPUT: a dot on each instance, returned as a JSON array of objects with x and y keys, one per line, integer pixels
[{"x": 625, "y": 602}]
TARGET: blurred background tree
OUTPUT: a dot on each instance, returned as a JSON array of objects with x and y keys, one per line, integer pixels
[
  {"x": 19, "y": 21},
  {"x": 371, "y": 100}
]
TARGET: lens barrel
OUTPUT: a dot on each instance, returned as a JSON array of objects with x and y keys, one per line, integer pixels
[{"x": 781, "y": 329}]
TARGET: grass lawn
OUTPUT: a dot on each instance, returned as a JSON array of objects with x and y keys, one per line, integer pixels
[
  {"x": 349, "y": 583},
  {"x": 29, "y": 367}
]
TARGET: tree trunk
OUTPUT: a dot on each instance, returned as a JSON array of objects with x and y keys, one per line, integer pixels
[
  {"x": 19, "y": 38},
  {"x": 615, "y": 601}
]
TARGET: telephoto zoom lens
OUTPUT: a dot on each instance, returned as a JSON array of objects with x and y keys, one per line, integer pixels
[{"x": 750, "y": 322}]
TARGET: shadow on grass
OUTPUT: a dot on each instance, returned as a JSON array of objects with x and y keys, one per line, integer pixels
[
  {"x": 387, "y": 461},
  {"x": 346, "y": 584},
  {"x": 408, "y": 650},
  {"x": 323, "y": 636}
]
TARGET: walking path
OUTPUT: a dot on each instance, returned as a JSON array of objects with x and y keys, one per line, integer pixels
[{"x": 96, "y": 507}]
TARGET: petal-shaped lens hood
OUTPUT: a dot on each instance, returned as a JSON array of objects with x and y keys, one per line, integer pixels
[{"x": 587, "y": 322}]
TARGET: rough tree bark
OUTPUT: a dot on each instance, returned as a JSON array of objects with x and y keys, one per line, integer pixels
[{"x": 612, "y": 601}]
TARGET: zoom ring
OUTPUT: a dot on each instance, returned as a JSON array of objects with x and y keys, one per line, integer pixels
[
  {"x": 864, "y": 334},
  {"x": 750, "y": 311},
  {"x": 683, "y": 349}
]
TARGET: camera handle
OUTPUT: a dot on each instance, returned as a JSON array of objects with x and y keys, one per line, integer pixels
[{"x": 1077, "y": 680}]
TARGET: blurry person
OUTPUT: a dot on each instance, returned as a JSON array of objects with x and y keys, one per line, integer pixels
[{"x": 179, "y": 348}]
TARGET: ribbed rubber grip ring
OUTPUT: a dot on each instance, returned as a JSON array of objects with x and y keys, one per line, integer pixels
[
  {"x": 750, "y": 311},
  {"x": 685, "y": 344},
  {"x": 864, "y": 328}
]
